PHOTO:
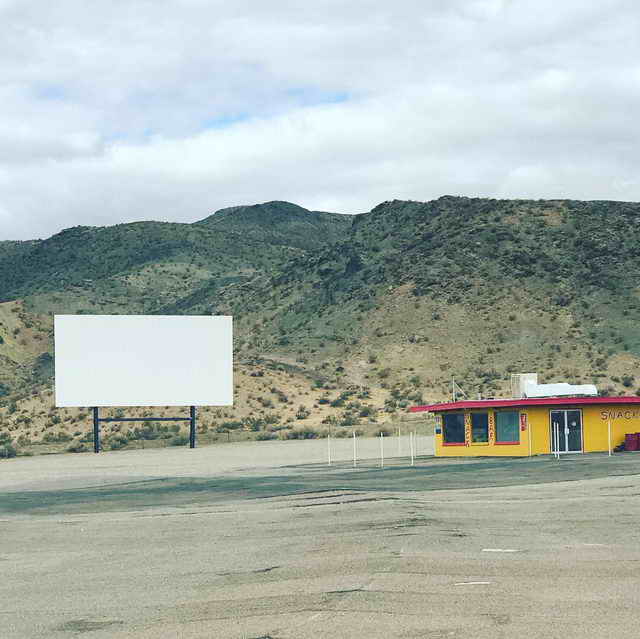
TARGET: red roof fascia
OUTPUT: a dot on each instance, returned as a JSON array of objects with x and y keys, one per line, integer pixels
[{"x": 536, "y": 401}]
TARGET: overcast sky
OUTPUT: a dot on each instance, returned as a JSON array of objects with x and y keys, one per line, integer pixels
[{"x": 170, "y": 109}]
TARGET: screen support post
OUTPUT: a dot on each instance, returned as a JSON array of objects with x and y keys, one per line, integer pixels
[
  {"x": 192, "y": 427},
  {"x": 97, "y": 420},
  {"x": 96, "y": 430}
]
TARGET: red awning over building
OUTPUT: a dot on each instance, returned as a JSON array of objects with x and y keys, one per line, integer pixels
[{"x": 537, "y": 401}]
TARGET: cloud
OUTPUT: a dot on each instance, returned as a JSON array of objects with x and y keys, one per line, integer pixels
[{"x": 134, "y": 110}]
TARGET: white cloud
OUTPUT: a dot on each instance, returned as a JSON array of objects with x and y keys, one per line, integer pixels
[{"x": 124, "y": 110}]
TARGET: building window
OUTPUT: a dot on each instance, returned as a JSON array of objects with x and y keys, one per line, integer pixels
[
  {"x": 453, "y": 428},
  {"x": 480, "y": 428},
  {"x": 507, "y": 427}
]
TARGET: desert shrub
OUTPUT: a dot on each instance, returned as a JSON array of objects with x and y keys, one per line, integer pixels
[
  {"x": 627, "y": 381},
  {"x": 226, "y": 426},
  {"x": 282, "y": 397},
  {"x": 152, "y": 430},
  {"x": 302, "y": 412},
  {"x": 56, "y": 438},
  {"x": 385, "y": 432},
  {"x": 77, "y": 447},
  {"x": 366, "y": 411},
  {"x": 7, "y": 450},
  {"x": 390, "y": 405},
  {"x": 348, "y": 420},
  {"x": 179, "y": 440},
  {"x": 117, "y": 441},
  {"x": 265, "y": 435},
  {"x": 253, "y": 423},
  {"x": 302, "y": 433}
]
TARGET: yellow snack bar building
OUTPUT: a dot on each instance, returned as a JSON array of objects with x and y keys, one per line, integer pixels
[{"x": 532, "y": 426}]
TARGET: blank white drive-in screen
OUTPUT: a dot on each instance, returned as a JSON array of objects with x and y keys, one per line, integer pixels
[{"x": 143, "y": 360}]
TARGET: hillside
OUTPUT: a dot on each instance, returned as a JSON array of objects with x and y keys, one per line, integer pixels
[
  {"x": 281, "y": 223},
  {"x": 382, "y": 310}
]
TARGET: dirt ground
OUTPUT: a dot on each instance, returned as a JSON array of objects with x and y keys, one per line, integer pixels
[{"x": 255, "y": 542}]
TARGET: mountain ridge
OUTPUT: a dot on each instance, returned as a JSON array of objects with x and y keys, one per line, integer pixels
[{"x": 393, "y": 301}]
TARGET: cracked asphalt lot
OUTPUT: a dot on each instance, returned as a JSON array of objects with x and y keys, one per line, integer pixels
[{"x": 165, "y": 543}]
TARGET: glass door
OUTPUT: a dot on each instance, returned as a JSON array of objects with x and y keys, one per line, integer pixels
[{"x": 566, "y": 431}]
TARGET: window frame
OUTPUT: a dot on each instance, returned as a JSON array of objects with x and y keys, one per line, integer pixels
[
  {"x": 444, "y": 429},
  {"x": 479, "y": 412},
  {"x": 511, "y": 442}
]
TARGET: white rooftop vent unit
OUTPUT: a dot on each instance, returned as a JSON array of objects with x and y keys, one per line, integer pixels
[{"x": 526, "y": 385}]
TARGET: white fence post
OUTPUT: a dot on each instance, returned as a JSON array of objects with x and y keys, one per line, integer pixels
[{"x": 355, "y": 463}]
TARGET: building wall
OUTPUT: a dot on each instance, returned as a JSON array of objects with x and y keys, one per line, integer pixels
[
  {"x": 535, "y": 421},
  {"x": 624, "y": 419}
]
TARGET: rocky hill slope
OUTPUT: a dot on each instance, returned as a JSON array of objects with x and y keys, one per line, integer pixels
[{"x": 384, "y": 307}]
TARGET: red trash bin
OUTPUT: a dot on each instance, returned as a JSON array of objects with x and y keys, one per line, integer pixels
[{"x": 631, "y": 441}]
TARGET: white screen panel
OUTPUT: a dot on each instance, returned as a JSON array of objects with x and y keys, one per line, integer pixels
[{"x": 143, "y": 360}]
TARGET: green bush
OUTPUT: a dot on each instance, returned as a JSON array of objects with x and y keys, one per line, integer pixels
[
  {"x": 179, "y": 440},
  {"x": 265, "y": 435},
  {"x": 56, "y": 438},
  {"x": 151, "y": 430},
  {"x": 117, "y": 441},
  {"x": 302, "y": 433},
  {"x": 366, "y": 411},
  {"x": 348, "y": 420},
  {"x": 7, "y": 450},
  {"x": 226, "y": 426},
  {"x": 23, "y": 440},
  {"x": 302, "y": 412},
  {"x": 77, "y": 447}
]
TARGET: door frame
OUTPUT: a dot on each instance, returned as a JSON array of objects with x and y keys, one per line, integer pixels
[{"x": 565, "y": 411}]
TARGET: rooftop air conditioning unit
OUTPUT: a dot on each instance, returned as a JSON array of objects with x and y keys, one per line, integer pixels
[{"x": 526, "y": 385}]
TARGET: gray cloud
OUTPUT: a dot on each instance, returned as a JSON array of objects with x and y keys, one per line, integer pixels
[{"x": 144, "y": 110}]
